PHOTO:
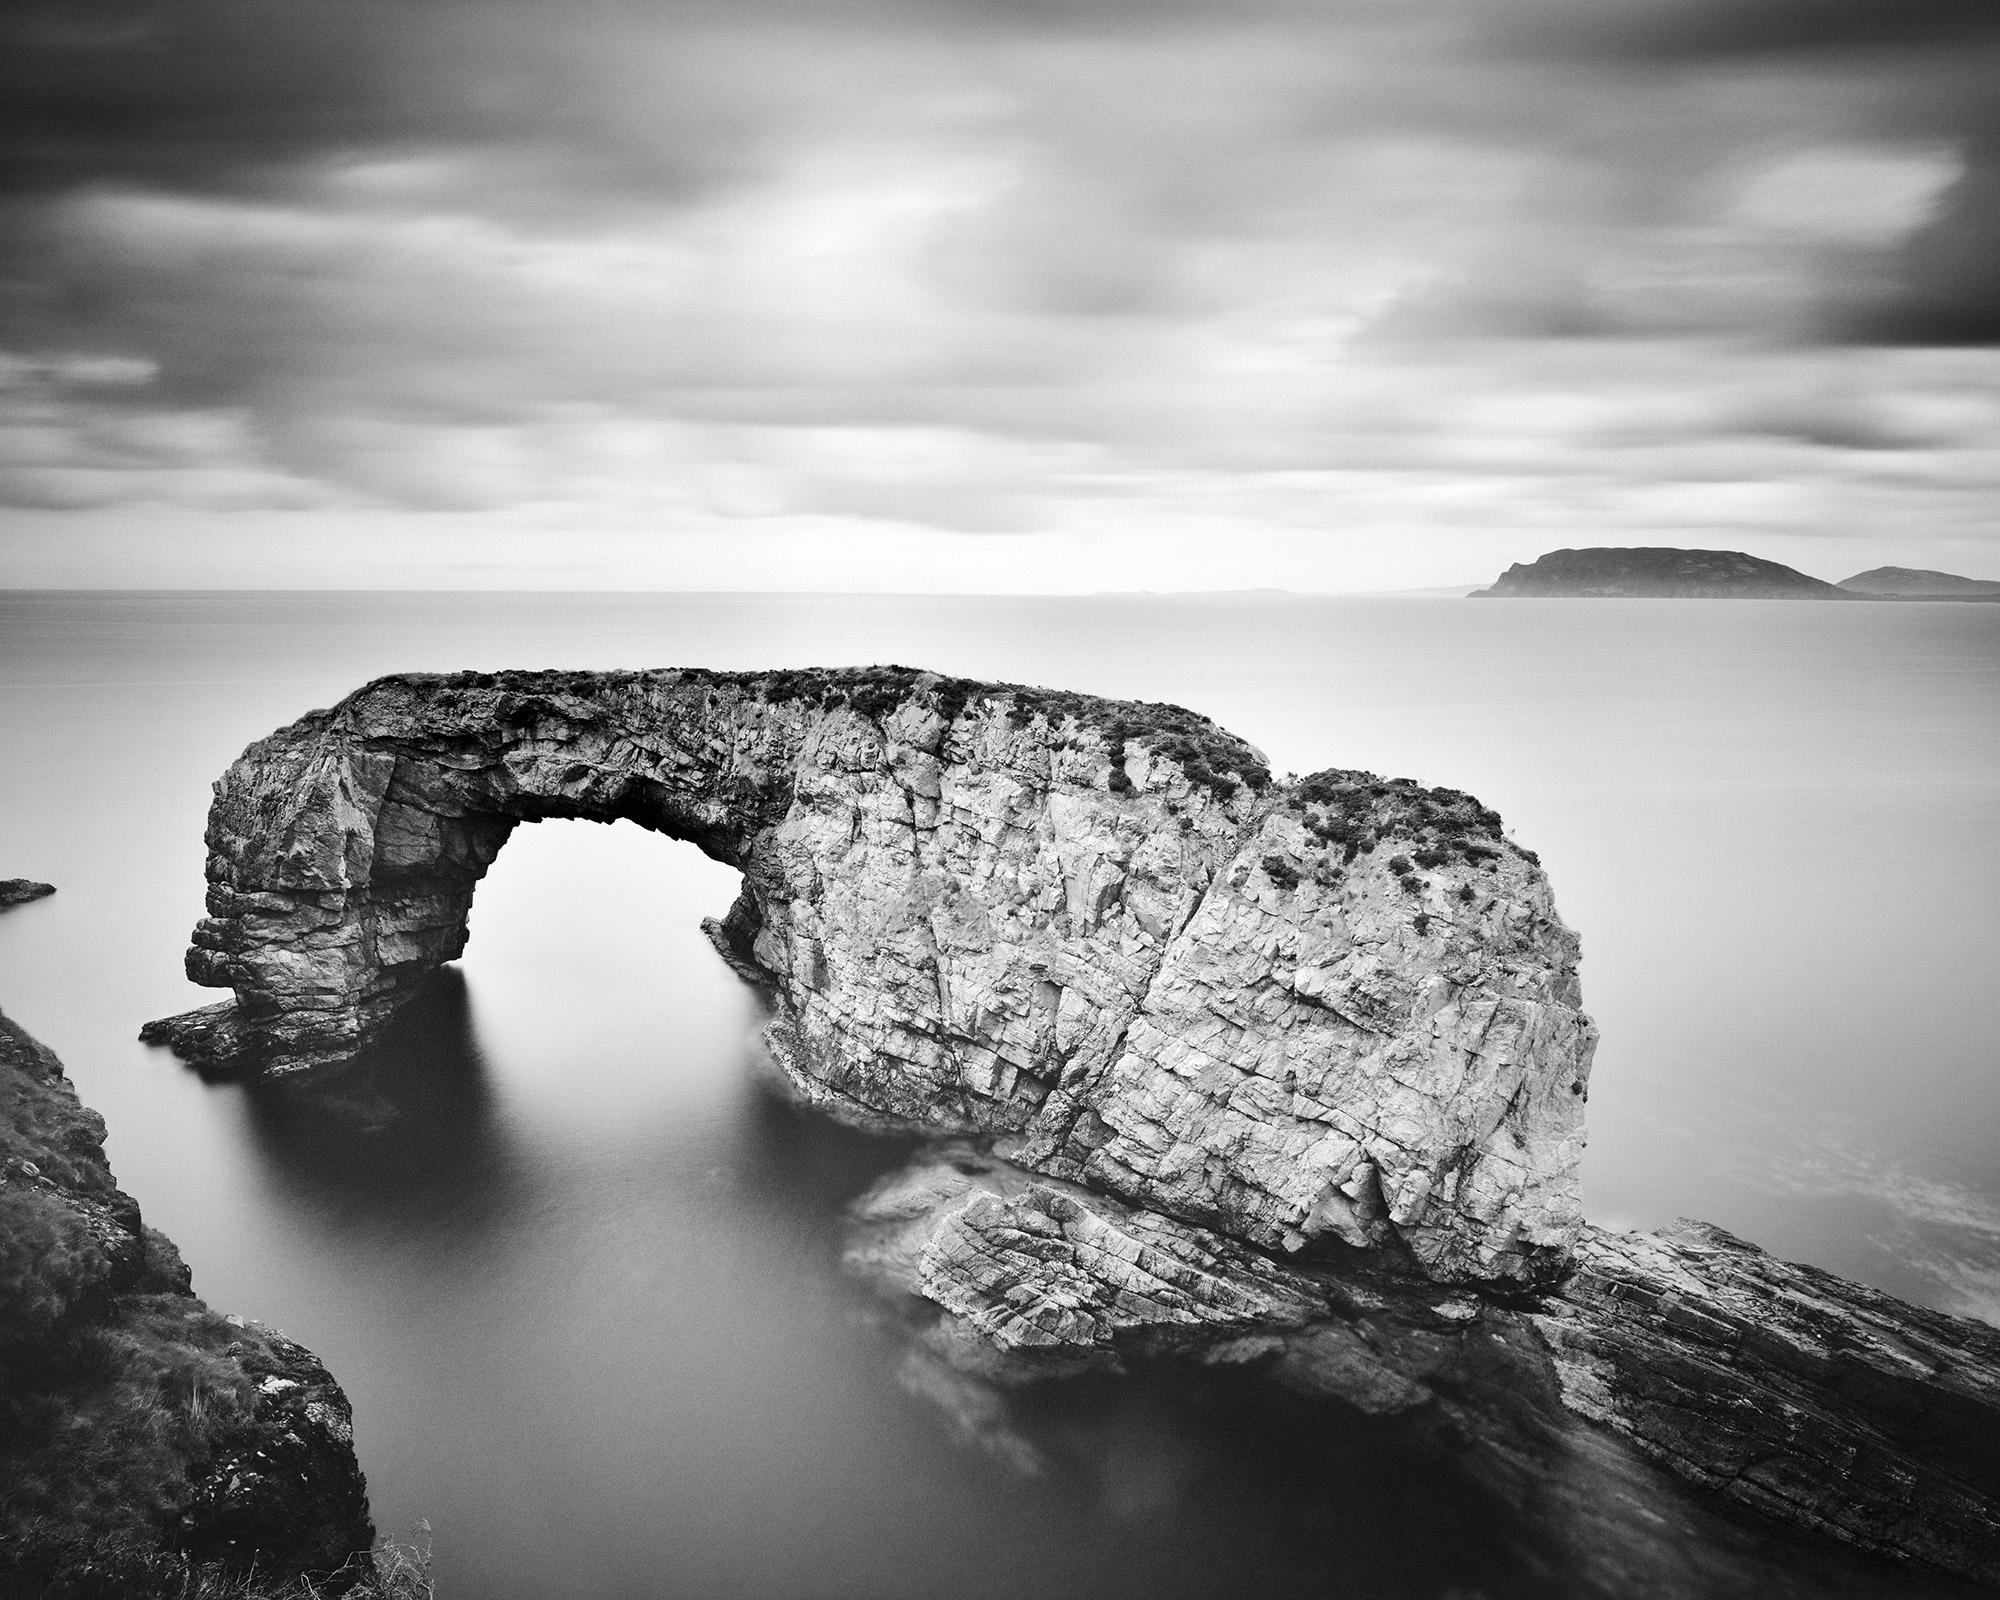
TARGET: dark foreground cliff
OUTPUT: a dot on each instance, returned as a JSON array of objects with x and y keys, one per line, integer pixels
[
  {"x": 1658, "y": 574},
  {"x": 1282, "y": 1076},
  {"x": 148, "y": 1445}
]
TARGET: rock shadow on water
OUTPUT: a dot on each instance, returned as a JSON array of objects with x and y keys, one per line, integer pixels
[
  {"x": 408, "y": 1138},
  {"x": 799, "y": 1166}
]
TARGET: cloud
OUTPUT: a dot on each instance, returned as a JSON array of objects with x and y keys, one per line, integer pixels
[{"x": 1395, "y": 272}]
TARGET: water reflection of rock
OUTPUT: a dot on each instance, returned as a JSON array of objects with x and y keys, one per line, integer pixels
[{"x": 407, "y": 1139}]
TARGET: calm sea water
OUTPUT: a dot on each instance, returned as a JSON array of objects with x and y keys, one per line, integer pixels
[{"x": 578, "y": 1269}]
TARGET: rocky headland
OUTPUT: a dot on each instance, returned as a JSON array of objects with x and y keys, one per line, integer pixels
[
  {"x": 1657, "y": 574},
  {"x": 145, "y": 1440},
  {"x": 19, "y": 891},
  {"x": 1286, "y": 1076}
]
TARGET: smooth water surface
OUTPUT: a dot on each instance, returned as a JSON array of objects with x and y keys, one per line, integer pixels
[{"x": 578, "y": 1267}]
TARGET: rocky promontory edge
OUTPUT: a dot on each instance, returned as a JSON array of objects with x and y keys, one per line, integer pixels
[{"x": 135, "y": 1422}]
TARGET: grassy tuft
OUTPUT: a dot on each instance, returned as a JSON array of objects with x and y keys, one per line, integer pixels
[{"x": 125, "y": 1568}]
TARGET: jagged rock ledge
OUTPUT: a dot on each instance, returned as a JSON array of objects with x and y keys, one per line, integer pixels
[
  {"x": 133, "y": 1419},
  {"x": 19, "y": 891},
  {"x": 1820, "y": 1403}
]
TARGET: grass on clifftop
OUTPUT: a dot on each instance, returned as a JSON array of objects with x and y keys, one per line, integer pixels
[
  {"x": 119, "y": 1569},
  {"x": 1356, "y": 811}
]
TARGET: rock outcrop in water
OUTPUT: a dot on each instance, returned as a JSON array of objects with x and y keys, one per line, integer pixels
[
  {"x": 1815, "y": 1401},
  {"x": 137, "y": 1426},
  {"x": 1250, "y": 1072},
  {"x": 19, "y": 891},
  {"x": 1339, "y": 1012},
  {"x": 1658, "y": 574}
]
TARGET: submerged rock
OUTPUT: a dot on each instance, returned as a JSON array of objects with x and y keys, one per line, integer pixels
[
  {"x": 1335, "y": 1012},
  {"x": 133, "y": 1419}
]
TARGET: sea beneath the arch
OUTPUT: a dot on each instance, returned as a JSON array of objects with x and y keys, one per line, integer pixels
[{"x": 578, "y": 1266}]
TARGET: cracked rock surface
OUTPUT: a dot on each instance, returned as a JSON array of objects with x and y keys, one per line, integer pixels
[{"x": 1337, "y": 1012}]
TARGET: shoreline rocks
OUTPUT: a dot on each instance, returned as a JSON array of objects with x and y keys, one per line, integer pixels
[{"x": 19, "y": 891}]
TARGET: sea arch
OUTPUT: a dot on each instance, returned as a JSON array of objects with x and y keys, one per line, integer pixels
[{"x": 1338, "y": 1012}]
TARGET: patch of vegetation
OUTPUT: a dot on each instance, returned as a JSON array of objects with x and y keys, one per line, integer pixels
[
  {"x": 1281, "y": 872},
  {"x": 105, "y": 1422},
  {"x": 119, "y": 1568},
  {"x": 1208, "y": 757},
  {"x": 1355, "y": 812},
  {"x": 53, "y": 1265}
]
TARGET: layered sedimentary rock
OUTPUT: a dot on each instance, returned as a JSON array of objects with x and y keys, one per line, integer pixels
[
  {"x": 1821, "y": 1403},
  {"x": 133, "y": 1419},
  {"x": 1332, "y": 1012}
]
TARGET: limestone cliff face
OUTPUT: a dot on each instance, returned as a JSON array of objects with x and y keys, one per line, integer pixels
[{"x": 1337, "y": 1010}]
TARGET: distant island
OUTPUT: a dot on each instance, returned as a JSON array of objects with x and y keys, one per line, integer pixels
[
  {"x": 1655, "y": 573},
  {"x": 1658, "y": 574},
  {"x": 1917, "y": 583}
]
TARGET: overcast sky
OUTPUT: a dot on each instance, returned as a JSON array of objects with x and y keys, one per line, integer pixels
[{"x": 991, "y": 294}]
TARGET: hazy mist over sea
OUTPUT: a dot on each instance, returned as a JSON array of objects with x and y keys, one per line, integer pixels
[{"x": 578, "y": 1269}]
